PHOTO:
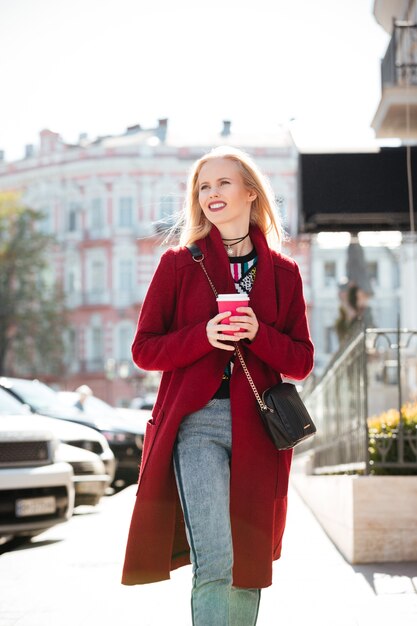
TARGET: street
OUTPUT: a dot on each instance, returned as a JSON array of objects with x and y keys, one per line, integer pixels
[{"x": 70, "y": 576}]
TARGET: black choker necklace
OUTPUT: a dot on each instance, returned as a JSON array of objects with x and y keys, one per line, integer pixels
[{"x": 236, "y": 240}]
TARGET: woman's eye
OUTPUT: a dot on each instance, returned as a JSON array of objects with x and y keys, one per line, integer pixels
[
  {"x": 225, "y": 182},
  {"x": 203, "y": 187}
]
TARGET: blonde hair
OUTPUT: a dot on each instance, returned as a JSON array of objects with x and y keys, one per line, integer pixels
[{"x": 194, "y": 225}]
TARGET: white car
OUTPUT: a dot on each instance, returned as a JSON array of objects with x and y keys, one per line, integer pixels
[
  {"x": 90, "y": 478},
  {"x": 126, "y": 444},
  {"x": 85, "y": 439},
  {"x": 36, "y": 492}
]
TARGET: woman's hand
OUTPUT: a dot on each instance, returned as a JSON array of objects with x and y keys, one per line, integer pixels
[
  {"x": 215, "y": 330},
  {"x": 247, "y": 321}
]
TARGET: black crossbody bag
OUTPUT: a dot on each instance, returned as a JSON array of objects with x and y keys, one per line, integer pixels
[{"x": 283, "y": 413}]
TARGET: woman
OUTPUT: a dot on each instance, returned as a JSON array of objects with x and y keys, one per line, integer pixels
[{"x": 212, "y": 486}]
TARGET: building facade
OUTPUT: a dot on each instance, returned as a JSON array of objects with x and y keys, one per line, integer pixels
[
  {"x": 108, "y": 201},
  {"x": 396, "y": 117}
]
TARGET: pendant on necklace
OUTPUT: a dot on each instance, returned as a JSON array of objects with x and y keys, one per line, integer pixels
[{"x": 229, "y": 250}]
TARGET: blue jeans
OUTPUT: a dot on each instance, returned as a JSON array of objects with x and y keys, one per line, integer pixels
[{"x": 202, "y": 470}]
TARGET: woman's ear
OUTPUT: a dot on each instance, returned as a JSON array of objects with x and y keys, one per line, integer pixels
[{"x": 252, "y": 194}]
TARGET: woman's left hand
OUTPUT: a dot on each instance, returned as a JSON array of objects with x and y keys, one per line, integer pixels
[{"x": 247, "y": 321}]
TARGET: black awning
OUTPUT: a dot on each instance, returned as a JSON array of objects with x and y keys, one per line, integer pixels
[{"x": 355, "y": 191}]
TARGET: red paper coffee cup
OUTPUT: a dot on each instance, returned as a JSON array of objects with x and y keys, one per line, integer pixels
[{"x": 230, "y": 302}]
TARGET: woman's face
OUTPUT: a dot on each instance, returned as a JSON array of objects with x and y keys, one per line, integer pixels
[{"x": 224, "y": 199}]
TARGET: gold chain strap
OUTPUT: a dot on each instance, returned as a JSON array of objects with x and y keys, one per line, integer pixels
[
  {"x": 208, "y": 278},
  {"x": 263, "y": 406}
]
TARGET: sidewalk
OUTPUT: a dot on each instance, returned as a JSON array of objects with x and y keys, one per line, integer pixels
[
  {"x": 70, "y": 575},
  {"x": 313, "y": 585}
]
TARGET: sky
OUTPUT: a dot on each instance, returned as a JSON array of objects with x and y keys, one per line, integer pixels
[{"x": 98, "y": 66}]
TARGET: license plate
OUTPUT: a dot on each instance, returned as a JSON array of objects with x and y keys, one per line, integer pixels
[{"x": 35, "y": 506}]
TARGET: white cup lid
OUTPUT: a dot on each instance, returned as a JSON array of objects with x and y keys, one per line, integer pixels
[{"x": 232, "y": 296}]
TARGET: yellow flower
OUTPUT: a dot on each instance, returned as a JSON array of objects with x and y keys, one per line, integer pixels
[{"x": 390, "y": 419}]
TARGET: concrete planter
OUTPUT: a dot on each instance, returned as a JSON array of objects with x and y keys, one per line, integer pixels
[{"x": 369, "y": 518}]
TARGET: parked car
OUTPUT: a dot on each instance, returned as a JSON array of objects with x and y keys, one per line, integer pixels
[
  {"x": 139, "y": 417},
  {"x": 90, "y": 478},
  {"x": 125, "y": 443},
  {"x": 126, "y": 420},
  {"x": 36, "y": 491},
  {"x": 130, "y": 418},
  {"x": 89, "y": 473},
  {"x": 70, "y": 433},
  {"x": 143, "y": 402}
]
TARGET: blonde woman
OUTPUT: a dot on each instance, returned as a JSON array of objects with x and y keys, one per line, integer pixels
[{"x": 212, "y": 487}]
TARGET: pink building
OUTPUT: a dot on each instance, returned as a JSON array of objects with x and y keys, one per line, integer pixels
[{"x": 107, "y": 201}]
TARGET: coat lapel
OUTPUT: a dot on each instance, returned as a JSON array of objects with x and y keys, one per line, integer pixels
[
  {"x": 263, "y": 296},
  {"x": 217, "y": 261}
]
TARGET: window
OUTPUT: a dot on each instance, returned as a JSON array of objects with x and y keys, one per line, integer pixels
[
  {"x": 372, "y": 269},
  {"x": 126, "y": 275},
  {"x": 125, "y": 341},
  {"x": 71, "y": 282},
  {"x": 126, "y": 212},
  {"x": 71, "y": 345},
  {"x": 97, "y": 216},
  {"x": 329, "y": 273},
  {"x": 96, "y": 343},
  {"x": 72, "y": 217},
  {"x": 45, "y": 224},
  {"x": 167, "y": 207},
  {"x": 97, "y": 276}
]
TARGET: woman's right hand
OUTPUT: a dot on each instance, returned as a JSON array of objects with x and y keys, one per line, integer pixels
[{"x": 215, "y": 330}]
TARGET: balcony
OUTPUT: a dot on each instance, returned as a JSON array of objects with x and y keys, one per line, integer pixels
[
  {"x": 119, "y": 299},
  {"x": 396, "y": 115},
  {"x": 96, "y": 297},
  {"x": 97, "y": 234},
  {"x": 96, "y": 365},
  {"x": 110, "y": 368}
]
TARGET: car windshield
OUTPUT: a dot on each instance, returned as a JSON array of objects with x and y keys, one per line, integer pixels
[
  {"x": 95, "y": 405},
  {"x": 35, "y": 394},
  {"x": 9, "y": 405},
  {"x": 92, "y": 404}
]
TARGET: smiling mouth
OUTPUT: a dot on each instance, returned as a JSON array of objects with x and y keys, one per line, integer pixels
[{"x": 216, "y": 206}]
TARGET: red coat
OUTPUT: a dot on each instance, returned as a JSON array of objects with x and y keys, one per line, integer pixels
[{"x": 171, "y": 337}]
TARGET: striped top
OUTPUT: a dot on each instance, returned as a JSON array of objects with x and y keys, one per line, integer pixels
[{"x": 243, "y": 270}]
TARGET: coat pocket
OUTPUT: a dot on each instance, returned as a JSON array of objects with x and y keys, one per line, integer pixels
[{"x": 148, "y": 441}]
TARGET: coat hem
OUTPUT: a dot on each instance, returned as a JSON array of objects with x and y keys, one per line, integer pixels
[{"x": 131, "y": 580}]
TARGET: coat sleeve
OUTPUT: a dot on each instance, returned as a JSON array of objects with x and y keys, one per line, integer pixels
[
  {"x": 291, "y": 351},
  {"x": 155, "y": 346}
]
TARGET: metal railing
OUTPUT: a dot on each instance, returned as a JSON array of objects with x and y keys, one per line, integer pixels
[
  {"x": 111, "y": 368},
  {"x": 375, "y": 371},
  {"x": 399, "y": 65},
  {"x": 117, "y": 298}
]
